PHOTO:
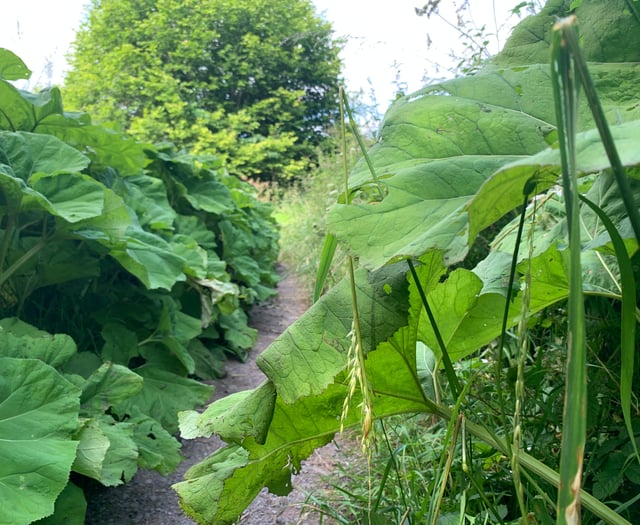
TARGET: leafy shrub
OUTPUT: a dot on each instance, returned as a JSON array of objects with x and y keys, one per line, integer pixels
[{"x": 146, "y": 259}]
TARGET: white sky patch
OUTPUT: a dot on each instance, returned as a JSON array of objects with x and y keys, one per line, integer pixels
[
  {"x": 387, "y": 43},
  {"x": 40, "y": 32},
  {"x": 390, "y": 47}
]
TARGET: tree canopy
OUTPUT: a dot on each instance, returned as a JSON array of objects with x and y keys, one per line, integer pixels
[{"x": 253, "y": 81}]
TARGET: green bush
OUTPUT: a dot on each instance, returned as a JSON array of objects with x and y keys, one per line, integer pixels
[{"x": 146, "y": 258}]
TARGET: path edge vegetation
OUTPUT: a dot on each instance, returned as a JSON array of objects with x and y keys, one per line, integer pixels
[
  {"x": 126, "y": 273},
  {"x": 428, "y": 189}
]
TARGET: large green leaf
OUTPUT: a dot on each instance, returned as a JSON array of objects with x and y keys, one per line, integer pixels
[
  {"x": 306, "y": 358},
  {"x": 157, "y": 449},
  {"x": 23, "y": 155},
  {"x": 19, "y": 339},
  {"x": 43, "y": 113},
  {"x": 12, "y": 67},
  {"x": 38, "y": 415},
  {"x": 252, "y": 409},
  {"x": 120, "y": 460},
  {"x": 70, "y": 508},
  {"x": 276, "y": 437},
  {"x": 110, "y": 228},
  {"x": 208, "y": 194},
  {"x": 612, "y": 34},
  {"x": 147, "y": 196},
  {"x": 505, "y": 188},
  {"x": 22, "y": 110},
  {"x": 93, "y": 446},
  {"x": 218, "y": 489},
  {"x": 200, "y": 495},
  {"x": 105, "y": 147},
  {"x": 440, "y": 144},
  {"x": 148, "y": 257},
  {"x": 468, "y": 319},
  {"x": 70, "y": 196},
  {"x": 29, "y": 153},
  {"x": 109, "y": 385},
  {"x": 163, "y": 396},
  {"x": 111, "y": 451},
  {"x": 433, "y": 154},
  {"x": 39, "y": 172},
  {"x": 600, "y": 272}
]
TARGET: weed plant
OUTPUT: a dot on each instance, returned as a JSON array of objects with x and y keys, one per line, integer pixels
[{"x": 398, "y": 483}]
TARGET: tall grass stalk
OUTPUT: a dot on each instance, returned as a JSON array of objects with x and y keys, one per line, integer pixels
[
  {"x": 565, "y": 86},
  {"x": 628, "y": 324},
  {"x": 523, "y": 349}
]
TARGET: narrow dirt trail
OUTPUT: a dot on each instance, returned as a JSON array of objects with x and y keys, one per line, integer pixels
[{"x": 149, "y": 500}]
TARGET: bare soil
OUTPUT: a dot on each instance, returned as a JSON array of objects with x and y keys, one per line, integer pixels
[{"x": 149, "y": 500}]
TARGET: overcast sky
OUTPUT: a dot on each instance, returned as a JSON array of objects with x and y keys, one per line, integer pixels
[{"x": 387, "y": 41}]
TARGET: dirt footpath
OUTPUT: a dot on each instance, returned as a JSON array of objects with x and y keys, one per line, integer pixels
[{"x": 149, "y": 500}]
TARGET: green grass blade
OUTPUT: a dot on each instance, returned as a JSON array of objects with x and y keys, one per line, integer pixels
[
  {"x": 528, "y": 189},
  {"x": 533, "y": 466},
  {"x": 454, "y": 384},
  {"x": 363, "y": 148},
  {"x": 565, "y": 87},
  {"x": 628, "y": 324},
  {"x": 330, "y": 241},
  {"x": 324, "y": 266}
]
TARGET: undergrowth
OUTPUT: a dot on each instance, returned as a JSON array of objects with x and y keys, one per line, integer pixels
[{"x": 301, "y": 210}]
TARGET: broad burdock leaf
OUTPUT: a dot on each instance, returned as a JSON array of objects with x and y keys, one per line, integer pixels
[
  {"x": 120, "y": 462},
  {"x": 107, "y": 149},
  {"x": 218, "y": 489},
  {"x": 70, "y": 508},
  {"x": 93, "y": 445},
  {"x": 29, "y": 153},
  {"x": 504, "y": 188},
  {"x": 148, "y": 257},
  {"x": 39, "y": 172},
  {"x": 19, "y": 339},
  {"x": 164, "y": 395},
  {"x": 252, "y": 413},
  {"x": 438, "y": 146},
  {"x": 38, "y": 416},
  {"x": 306, "y": 358},
  {"x": 157, "y": 449},
  {"x": 12, "y": 67},
  {"x": 23, "y": 110},
  {"x": 109, "y": 385},
  {"x": 147, "y": 196}
]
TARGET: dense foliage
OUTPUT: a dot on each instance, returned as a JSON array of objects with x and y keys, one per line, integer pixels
[
  {"x": 254, "y": 82},
  {"x": 142, "y": 260},
  {"x": 452, "y": 160}
]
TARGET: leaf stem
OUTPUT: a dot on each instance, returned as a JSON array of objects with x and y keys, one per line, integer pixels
[
  {"x": 528, "y": 189},
  {"x": 363, "y": 148},
  {"x": 454, "y": 384},
  {"x": 6, "y": 274}
]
